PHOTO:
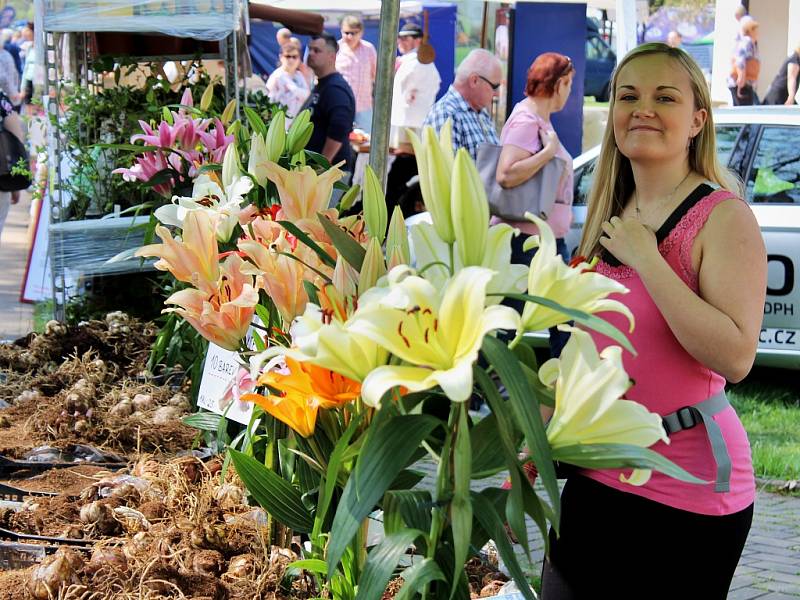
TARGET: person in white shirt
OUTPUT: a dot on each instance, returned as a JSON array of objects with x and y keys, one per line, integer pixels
[
  {"x": 415, "y": 87},
  {"x": 287, "y": 85}
]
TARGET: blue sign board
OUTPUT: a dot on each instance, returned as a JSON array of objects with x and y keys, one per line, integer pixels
[{"x": 551, "y": 27}]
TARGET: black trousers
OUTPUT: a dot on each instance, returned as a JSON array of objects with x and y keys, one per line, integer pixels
[
  {"x": 748, "y": 96},
  {"x": 619, "y": 545}
]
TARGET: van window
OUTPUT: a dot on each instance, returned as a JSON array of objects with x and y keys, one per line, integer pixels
[
  {"x": 726, "y": 141},
  {"x": 775, "y": 174}
]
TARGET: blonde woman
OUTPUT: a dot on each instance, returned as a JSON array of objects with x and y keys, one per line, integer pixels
[{"x": 666, "y": 220}]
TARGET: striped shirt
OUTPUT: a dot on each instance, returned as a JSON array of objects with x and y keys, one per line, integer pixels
[
  {"x": 471, "y": 128},
  {"x": 358, "y": 67}
]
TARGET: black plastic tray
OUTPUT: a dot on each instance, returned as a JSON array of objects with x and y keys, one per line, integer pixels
[
  {"x": 15, "y": 494},
  {"x": 14, "y": 536},
  {"x": 10, "y": 467}
]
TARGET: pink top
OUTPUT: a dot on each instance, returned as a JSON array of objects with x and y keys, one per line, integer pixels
[
  {"x": 358, "y": 67},
  {"x": 522, "y": 129},
  {"x": 667, "y": 378}
]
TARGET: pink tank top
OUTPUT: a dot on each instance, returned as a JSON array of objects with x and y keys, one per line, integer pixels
[{"x": 667, "y": 378}]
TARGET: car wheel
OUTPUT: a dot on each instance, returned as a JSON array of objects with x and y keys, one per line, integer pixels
[{"x": 604, "y": 94}]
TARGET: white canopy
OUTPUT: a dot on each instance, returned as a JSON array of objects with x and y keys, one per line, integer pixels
[{"x": 364, "y": 7}]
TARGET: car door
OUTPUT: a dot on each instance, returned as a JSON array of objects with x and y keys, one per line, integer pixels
[{"x": 772, "y": 186}]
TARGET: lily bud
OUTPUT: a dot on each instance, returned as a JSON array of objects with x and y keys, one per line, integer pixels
[
  {"x": 234, "y": 129},
  {"x": 207, "y": 97},
  {"x": 258, "y": 156},
  {"x": 297, "y": 130},
  {"x": 227, "y": 114},
  {"x": 302, "y": 138},
  {"x": 397, "y": 250},
  {"x": 446, "y": 142},
  {"x": 299, "y": 159},
  {"x": 439, "y": 174},
  {"x": 167, "y": 115},
  {"x": 231, "y": 167},
  {"x": 374, "y": 205},
  {"x": 276, "y": 136},
  {"x": 345, "y": 278},
  {"x": 373, "y": 267},
  {"x": 349, "y": 198},
  {"x": 469, "y": 209}
]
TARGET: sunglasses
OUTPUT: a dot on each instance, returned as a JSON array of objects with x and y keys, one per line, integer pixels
[
  {"x": 351, "y": 32},
  {"x": 494, "y": 86},
  {"x": 291, "y": 56},
  {"x": 567, "y": 68}
]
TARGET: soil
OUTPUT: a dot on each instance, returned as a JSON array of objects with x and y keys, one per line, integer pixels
[{"x": 69, "y": 482}]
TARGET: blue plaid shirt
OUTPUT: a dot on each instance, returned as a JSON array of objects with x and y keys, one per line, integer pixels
[{"x": 470, "y": 127}]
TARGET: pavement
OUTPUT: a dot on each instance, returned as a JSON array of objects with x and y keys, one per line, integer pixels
[
  {"x": 16, "y": 318},
  {"x": 770, "y": 565}
]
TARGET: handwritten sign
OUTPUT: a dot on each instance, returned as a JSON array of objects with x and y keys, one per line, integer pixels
[{"x": 220, "y": 372}]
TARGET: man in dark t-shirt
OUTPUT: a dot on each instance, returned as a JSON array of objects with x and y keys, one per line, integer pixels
[
  {"x": 784, "y": 86},
  {"x": 332, "y": 104}
]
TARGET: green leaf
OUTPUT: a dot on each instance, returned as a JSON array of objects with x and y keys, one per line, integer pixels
[
  {"x": 314, "y": 565},
  {"x": 272, "y": 492},
  {"x": 390, "y": 445},
  {"x": 525, "y": 406},
  {"x": 461, "y": 504},
  {"x": 614, "y": 456},
  {"x": 491, "y": 522},
  {"x": 406, "y": 480},
  {"x": 407, "y": 508},
  {"x": 304, "y": 237},
  {"x": 350, "y": 249},
  {"x": 256, "y": 123},
  {"x": 417, "y": 577},
  {"x": 311, "y": 292},
  {"x": 579, "y": 316},
  {"x": 486, "y": 460},
  {"x": 263, "y": 315},
  {"x": 204, "y": 421},
  {"x": 318, "y": 159},
  {"x": 382, "y": 561},
  {"x": 506, "y": 434},
  {"x": 332, "y": 474}
]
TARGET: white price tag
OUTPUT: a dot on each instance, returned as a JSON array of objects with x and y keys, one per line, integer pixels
[{"x": 219, "y": 375}]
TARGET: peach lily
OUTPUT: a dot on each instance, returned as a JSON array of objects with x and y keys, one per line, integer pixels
[
  {"x": 224, "y": 315},
  {"x": 194, "y": 259},
  {"x": 303, "y": 193}
]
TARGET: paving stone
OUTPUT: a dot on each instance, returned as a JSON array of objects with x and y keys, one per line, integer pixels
[
  {"x": 740, "y": 581},
  {"x": 779, "y": 596},
  {"x": 793, "y": 569},
  {"x": 777, "y": 558},
  {"x": 780, "y": 586},
  {"x": 746, "y": 593},
  {"x": 786, "y": 578}
]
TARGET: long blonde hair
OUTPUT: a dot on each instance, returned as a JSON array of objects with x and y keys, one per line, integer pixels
[{"x": 613, "y": 178}]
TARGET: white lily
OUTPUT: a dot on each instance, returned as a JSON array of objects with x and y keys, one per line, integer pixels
[
  {"x": 209, "y": 196},
  {"x": 326, "y": 341},
  {"x": 429, "y": 248},
  {"x": 573, "y": 287},
  {"x": 437, "y": 336},
  {"x": 589, "y": 404}
]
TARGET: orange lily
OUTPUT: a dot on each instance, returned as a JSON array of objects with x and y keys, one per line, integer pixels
[
  {"x": 223, "y": 315},
  {"x": 302, "y": 392},
  {"x": 194, "y": 258},
  {"x": 303, "y": 193}
]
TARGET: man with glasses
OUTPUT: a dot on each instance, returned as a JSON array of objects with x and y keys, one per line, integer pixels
[
  {"x": 466, "y": 102},
  {"x": 357, "y": 61}
]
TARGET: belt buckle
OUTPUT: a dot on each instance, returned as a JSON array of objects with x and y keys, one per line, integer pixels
[{"x": 686, "y": 417}]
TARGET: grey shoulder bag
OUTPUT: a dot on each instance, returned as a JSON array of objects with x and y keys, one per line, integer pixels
[{"x": 537, "y": 195}]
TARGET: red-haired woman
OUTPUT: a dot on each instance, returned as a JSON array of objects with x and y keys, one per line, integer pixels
[{"x": 529, "y": 142}]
